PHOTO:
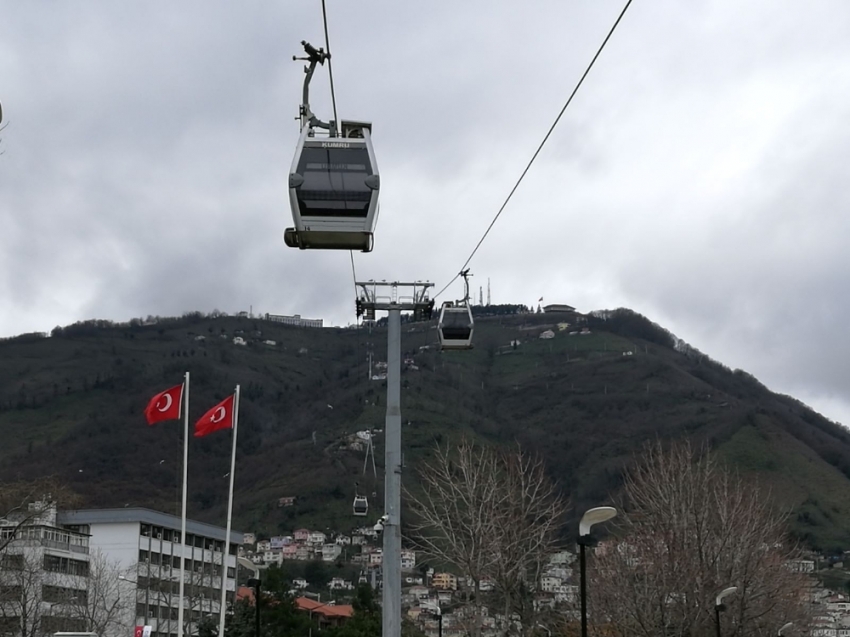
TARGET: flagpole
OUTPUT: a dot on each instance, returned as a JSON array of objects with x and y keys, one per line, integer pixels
[
  {"x": 183, "y": 516},
  {"x": 229, "y": 518}
]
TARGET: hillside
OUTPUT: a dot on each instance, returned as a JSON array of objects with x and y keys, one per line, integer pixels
[{"x": 71, "y": 406}]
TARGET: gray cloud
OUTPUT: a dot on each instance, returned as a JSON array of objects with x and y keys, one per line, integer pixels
[{"x": 698, "y": 177}]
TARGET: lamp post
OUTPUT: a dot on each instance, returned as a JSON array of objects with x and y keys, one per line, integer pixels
[
  {"x": 590, "y": 517},
  {"x": 123, "y": 578},
  {"x": 255, "y": 583},
  {"x": 718, "y": 605}
]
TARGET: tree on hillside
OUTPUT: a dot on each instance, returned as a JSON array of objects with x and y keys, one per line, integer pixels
[
  {"x": 279, "y": 616},
  {"x": 690, "y": 529},
  {"x": 491, "y": 514}
]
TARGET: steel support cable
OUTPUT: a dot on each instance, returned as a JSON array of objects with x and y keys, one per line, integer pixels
[
  {"x": 330, "y": 68},
  {"x": 539, "y": 148},
  {"x": 336, "y": 118}
]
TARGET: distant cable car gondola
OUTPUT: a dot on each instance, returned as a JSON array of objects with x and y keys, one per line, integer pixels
[
  {"x": 361, "y": 505},
  {"x": 334, "y": 181},
  {"x": 456, "y": 324}
]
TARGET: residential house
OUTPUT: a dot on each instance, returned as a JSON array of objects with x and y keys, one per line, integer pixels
[
  {"x": 301, "y": 535},
  {"x": 262, "y": 545},
  {"x": 408, "y": 560},
  {"x": 445, "y": 581},
  {"x": 326, "y": 615},
  {"x": 316, "y": 538},
  {"x": 331, "y": 551},
  {"x": 339, "y": 584},
  {"x": 304, "y": 553},
  {"x": 376, "y": 557}
]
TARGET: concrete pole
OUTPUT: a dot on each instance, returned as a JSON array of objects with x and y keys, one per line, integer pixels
[{"x": 391, "y": 558}]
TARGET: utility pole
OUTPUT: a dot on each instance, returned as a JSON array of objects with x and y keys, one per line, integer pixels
[{"x": 417, "y": 301}]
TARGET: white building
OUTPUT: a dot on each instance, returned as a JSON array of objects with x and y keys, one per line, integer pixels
[
  {"x": 408, "y": 560},
  {"x": 316, "y": 538},
  {"x": 44, "y": 574},
  {"x": 149, "y": 544},
  {"x": 330, "y": 552}
]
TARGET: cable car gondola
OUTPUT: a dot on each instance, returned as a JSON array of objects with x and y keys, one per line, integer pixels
[
  {"x": 333, "y": 191},
  {"x": 361, "y": 505},
  {"x": 455, "y": 326},
  {"x": 334, "y": 181}
]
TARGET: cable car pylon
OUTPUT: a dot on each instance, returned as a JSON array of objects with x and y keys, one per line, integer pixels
[{"x": 374, "y": 295}]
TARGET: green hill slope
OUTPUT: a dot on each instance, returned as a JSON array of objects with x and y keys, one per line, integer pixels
[{"x": 71, "y": 406}]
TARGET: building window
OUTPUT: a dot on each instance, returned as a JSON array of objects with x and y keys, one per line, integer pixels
[
  {"x": 144, "y": 556},
  {"x": 234, "y": 549},
  {"x": 146, "y": 530},
  {"x": 231, "y": 572},
  {"x": 12, "y": 562},
  {"x": 10, "y": 625},
  {"x": 60, "y": 594},
  {"x": 10, "y": 593},
  {"x": 55, "y": 564}
]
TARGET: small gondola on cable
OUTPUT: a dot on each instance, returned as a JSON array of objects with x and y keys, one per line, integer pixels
[
  {"x": 455, "y": 325},
  {"x": 334, "y": 181},
  {"x": 361, "y": 503}
]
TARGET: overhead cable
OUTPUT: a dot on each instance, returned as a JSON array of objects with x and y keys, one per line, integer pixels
[{"x": 539, "y": 148}]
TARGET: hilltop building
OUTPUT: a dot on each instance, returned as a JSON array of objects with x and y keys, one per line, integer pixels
[{"x": 296, "y": 320}]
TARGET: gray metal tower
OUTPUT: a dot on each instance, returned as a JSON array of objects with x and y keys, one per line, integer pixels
[{"x": 390, "y": 300}]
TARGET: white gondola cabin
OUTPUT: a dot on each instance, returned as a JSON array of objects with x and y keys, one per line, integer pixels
[
  {"x": 361, "y": 505},
  {"x": 333, "y": 190},
  {"x": 455, "y": 326}
]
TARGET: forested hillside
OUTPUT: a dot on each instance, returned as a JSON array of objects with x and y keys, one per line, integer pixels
[{"x": 71, "y": 406}]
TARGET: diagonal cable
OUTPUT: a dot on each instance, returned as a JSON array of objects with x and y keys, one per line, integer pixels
[{"x": 539, "y": 148}]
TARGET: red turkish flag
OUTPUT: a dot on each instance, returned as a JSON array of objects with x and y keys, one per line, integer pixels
[
  {"x": 165, "y": 405},
  {"x": 219, "y": 417}
]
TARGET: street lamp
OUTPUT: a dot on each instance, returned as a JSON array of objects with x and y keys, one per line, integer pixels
[
  {"x": 590, "y": 517},
  {"x": 718, "y": 605},
  {"x": 254, "y": 583},
  {"x": 124, "y": 578}
]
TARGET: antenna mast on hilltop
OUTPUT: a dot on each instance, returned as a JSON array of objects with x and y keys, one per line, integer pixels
[{"x": 488, "y": 290}]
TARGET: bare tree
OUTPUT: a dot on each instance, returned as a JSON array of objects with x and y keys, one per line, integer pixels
[
  {"x": 23, "y": 503},
  {"x": 691, "y": 529},
  {"x": 101, "y": 605},
  {"x": 454, "y": 519},
  {"x": 527, "y": 535},
  {"x": 492, "y": 515},
  {"x": 20, "y": 594}
]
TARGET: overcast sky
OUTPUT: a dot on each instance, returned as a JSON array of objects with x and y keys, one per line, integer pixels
[{"x": 699, "y": 177}]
